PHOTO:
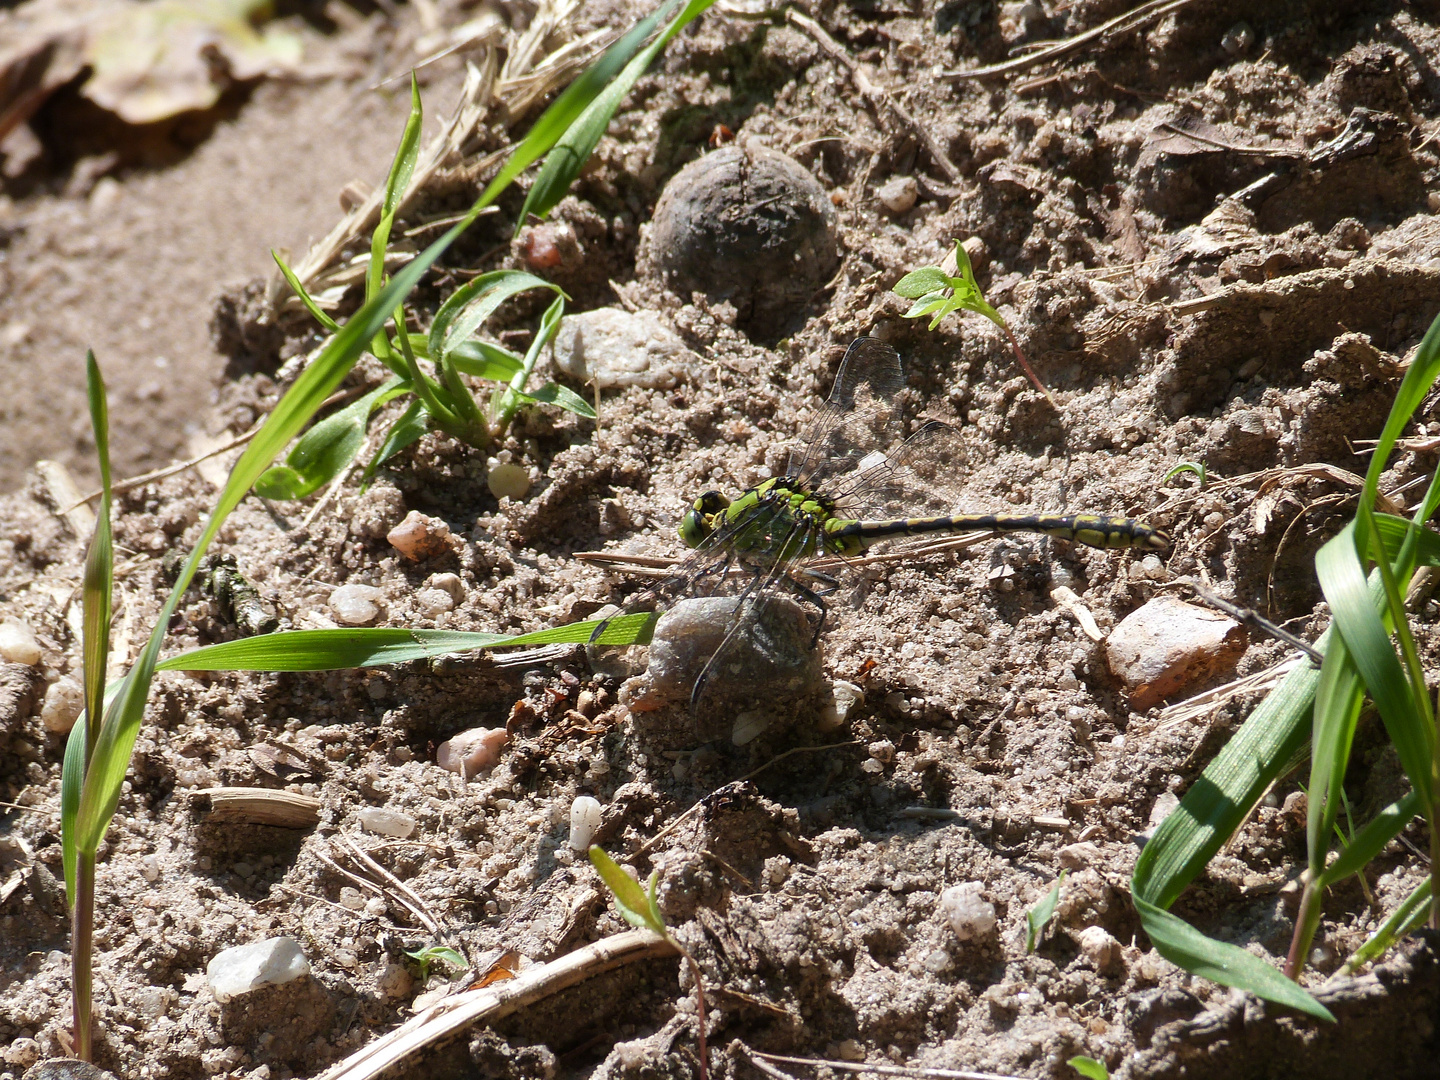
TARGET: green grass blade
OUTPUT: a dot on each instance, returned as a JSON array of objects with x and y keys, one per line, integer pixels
[
  {"x": 329, "y": 650},
  {"x": 563, "y": 164},
  {"x": 72, "y": 782},
  {"x": 1338, "y": 700},
  {"x": 1371, "y": 840},
  {"x": 414, "y": 422},
  {"x": 1089, "y": 1068},
  {"x": 1410, "y": 915},
  {"x": 516, "y": 394},
  {"x": 327, "y": 448},
  {"x": 1229, "y": 965},
  {"x": 1342, "y": 578},
  {"x": 1259, "y": 753},
  {"x": 561, "y": 397},
  {"x": 1039, "y": 916},
  {"x": 470, "y": 305},
  {"x": 485, "y": 361},
  {"x": 401, "y": 169},
  {"x": 298, "y": 288}
]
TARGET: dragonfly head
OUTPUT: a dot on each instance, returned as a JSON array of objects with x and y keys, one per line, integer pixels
[{"x": 699, "y": 521}]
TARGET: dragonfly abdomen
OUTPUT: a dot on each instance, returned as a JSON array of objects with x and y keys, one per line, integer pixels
[{"x": 1090, "y": 529}]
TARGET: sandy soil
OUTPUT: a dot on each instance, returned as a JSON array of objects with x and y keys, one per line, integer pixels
[{"x": 1262, "y": 335}]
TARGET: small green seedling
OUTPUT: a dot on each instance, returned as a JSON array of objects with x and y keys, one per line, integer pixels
[
  {"x": 638, "y": 907},
  {"x": 431, "y": 954},
  {"x": 1089, "y": 1068},
  {"x": 1039, "y": 916},
  {"x": 937, "y": 294},
  {"x": 1196, "y": 467},
  {"x": 445, "y": 402}
]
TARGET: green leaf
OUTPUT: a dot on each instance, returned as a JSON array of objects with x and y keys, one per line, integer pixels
[
  {"x": 602, "y": 97},
  {"x": 1089, "y": 1068},
  {"x": 923, "y": 282},
  {"x": 1038, "y": 917},
  {"x": 485, "y": 361},
  {"x": 563, "y": 397},
  {"x": 311, "y": 306},
  {"x": 470, "y": 305},
  {"x": 413, "y": 423},
  {"x": 1229, "y": 965},
  {"x": 329, "y": 650},
  {"x": 634, "y": 905},
  {"x": 401, "y": 169},
  {"x": 326, "y": 449},
  {"x": 1371, "y": 840}
]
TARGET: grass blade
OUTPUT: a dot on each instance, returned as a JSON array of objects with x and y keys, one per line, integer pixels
[
  {"x": 1229, "y": 965},
  {"x": 469, "y": 306},
  {"x": 327, "y": 448},
  {"x": 563, "y": 163},
  {"x": 298, "y": 288}
]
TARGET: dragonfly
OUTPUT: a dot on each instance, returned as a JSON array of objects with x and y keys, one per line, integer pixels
[{"x": 853, "y": 482}]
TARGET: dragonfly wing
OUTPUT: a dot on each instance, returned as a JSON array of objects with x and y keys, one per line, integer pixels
[
  {"x": 918, "y": 478},
  {"x": 859, "y": 416}
]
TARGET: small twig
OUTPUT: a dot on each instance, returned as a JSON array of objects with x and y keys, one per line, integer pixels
[
  {"x": 877, "y": 96},
  {"x": 500, "y": 999},
  {"x": 1131, "y": 20},
  {"x": 1252, "y": 618},
  {"x": 410, "y": 900}
]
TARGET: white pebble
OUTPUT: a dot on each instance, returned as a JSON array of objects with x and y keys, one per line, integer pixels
[
  {"x": 585, "y": 815},
  {"x": 1099, "y": 947},
  {"x": 419, "y": 537},
  {"x": 508, "y": 480},
  {"x": 356, "y": 605},
  {"x": 244, "y": 968},
  {"x": 64, "y": 702},
  {"x": 352, "y": 898},
  {"x": 434, "y": 602},
  {"x": 971, "y": 916},
  {"x": 899, "y": 193},
  {"x": 449, "y": 583},
  {"x": 471, "y": 752},
  {"x": 386, "y": 822},
  {"x": 18, "y": 643}
]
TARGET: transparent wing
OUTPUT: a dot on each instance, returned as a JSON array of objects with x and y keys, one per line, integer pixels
[
  {"x": 859, "y": 417},
  {"x": 918, "y": 478}
]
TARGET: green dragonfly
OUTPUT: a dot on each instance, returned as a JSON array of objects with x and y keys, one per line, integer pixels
[{"x": 841, "y": 493}]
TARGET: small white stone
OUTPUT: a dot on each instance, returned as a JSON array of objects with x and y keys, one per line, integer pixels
[
  {"x": 377, "y": 907},
  {"x": 18, "y": 643},
  {"x": 1102, "y": 950},
  {"x": 261, "y": 963},
  {"x": 352, "y": 898},
  {"x": 898, "y": 194},
  {"x": 420, "y": 537},
  {"x": 434, "y": 602},
  {"x": 356, "y": 605},
  {"x": 611, "y": 347},
  {"x": 471, "y": 752},
  {"x": 507, "y": 480},
  {"x": 971, "y": 916},
  {"x": 64, "y": 702},
  {"x": 450, "y": 583},
  {"x": 395, "y": 981},
  {"x": 585, "y": 815},
  {"x": 386, "y": 822},
  {"x": 1078, "y": 856},
  {"x": 1167, "y": 645}
]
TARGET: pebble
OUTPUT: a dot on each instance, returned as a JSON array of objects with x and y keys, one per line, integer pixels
[
  {"x": 506, "y": 480},
  {"x": 449, "y": 583},
  {"x": 1078, "y": 856},
  {"x": 356, "y": 605},
  {"x": 970, "y": 915},
  {"x": 64, "y": 702},
  {"x": 748, "y": 226},
  {"x": 585, "y": 817},
  {"x": 352, "y": 898},
  {"x": 1167, "y": 645},
  {"x": 386, "y": 822},
  {"x": 18, "y": 643},
  {"x": 395, "y": 981},
  {"x": 261, "y": 963},
  {"x": 613, "y": 347},
  {"x": 471, "y": 752},
  {"x": 898, "y": 194},
  {"x": 1099, "y": 946},
  {"x": 420, "y": 537},
  {"x": 432, "y": 602}
]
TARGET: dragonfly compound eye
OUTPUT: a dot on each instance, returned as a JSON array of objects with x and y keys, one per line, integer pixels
[{"x": 698, "y": 523}]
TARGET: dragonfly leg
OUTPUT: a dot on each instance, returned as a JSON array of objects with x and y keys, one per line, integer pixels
[{"x": 814, "y": 597}]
